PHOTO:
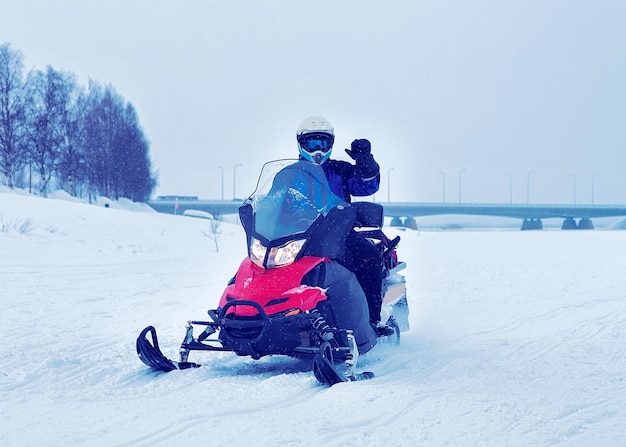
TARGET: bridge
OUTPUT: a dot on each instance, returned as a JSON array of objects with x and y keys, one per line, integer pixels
[
  {"x": 531, "y": 214},
  {"x": 404, "y": 213}
]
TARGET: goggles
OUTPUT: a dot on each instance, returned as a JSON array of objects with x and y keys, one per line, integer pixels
[{"x": 316, "y": 141}]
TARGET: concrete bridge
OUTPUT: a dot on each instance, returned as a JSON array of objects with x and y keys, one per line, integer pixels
[
  {"x": 574, "y": 216},
  {"x": 404, "y": 214}
]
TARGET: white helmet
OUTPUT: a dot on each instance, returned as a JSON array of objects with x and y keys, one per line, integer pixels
[{"x": 315, "y": 137}]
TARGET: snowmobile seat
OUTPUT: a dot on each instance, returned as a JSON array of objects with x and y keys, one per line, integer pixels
[{"x": 368, "y": 214}]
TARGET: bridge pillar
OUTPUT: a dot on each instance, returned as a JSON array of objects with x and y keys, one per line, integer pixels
[
  {"x": 396, "y": 222},
  {"x": 532, "y": 224},
  {"x": 411, "y": 223},
  {"x": 569, "y": 224},
  {"x": 585, "y": 224}
]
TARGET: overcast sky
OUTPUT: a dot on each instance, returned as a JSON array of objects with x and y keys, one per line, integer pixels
[{"x": 528, "y": 92}]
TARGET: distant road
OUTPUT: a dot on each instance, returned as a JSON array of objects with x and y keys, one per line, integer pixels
[
  {"x": 215, "y": 207},
  {"x": 416, "y": 209}
]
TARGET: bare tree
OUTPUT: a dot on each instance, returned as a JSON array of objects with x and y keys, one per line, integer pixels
[
  {"x": 117, "y": 153},
  {"x": 49, "y": 102},
  {"x": 214, "y": 232},
  {"x": 71, "y": 170},
  {"x": 13, "y": 140}
]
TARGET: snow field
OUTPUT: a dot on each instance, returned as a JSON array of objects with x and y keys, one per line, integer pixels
[{"x": 517, "y": 339}]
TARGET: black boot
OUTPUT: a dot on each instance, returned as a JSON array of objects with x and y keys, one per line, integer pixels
[{"x": 383, "y": 330}]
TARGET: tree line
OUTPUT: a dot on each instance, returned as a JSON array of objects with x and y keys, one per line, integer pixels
[{"x": 57, "y": 134}]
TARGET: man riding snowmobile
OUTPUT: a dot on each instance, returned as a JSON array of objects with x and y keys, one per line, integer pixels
[
  {"x": 292, "y": 295},
  {"x": 315, "y": 137}
]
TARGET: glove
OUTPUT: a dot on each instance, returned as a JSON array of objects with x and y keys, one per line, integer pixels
[
  {"x": 361, "y": 152},
  {"x": 362, "y": 146}
]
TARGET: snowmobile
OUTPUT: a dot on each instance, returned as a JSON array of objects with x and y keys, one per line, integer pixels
[{"x": 290, "y": 295}]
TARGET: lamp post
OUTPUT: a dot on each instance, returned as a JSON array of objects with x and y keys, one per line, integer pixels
[
  {"x": 389, "y": 183},
  {"x": 443, "y": 186},
  {"x": 574, "y": 187},
  {"x": 235, "y": 179},
  {"x": 593, "y": 187},
  {"x": 221, "y": 168},
  {"x": 508, "y": 174},
  {"x": 528, "y": 186},
  {"x": 460, "y": 172}
]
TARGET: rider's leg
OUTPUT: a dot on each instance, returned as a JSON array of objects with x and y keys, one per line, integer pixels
[{"x": 365, "y": 260}]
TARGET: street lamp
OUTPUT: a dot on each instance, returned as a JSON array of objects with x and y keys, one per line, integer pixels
[
  {"x": 593, "y": 187},
  {"x": 235, "y": 179},
  {"x": 528, "y": 186},
  {"x": 221, "y": 168},
  {"x": 389, "y": 183},
  {"x": 574, "y": 186},
  {"x": 443, "y": 186},
  {"x": 460, "y": 172},
  {"x": 510, "y": 188}
]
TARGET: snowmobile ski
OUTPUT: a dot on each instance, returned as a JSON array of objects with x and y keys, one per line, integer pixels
[
  {"x": 327, "y": 373},
  {"x": 150, "y": 353}
]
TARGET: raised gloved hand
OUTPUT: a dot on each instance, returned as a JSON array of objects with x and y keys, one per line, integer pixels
[{"x": 361, "y": 152}]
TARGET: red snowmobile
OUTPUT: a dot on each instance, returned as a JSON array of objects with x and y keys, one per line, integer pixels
[{"x": 291, "y": 296}]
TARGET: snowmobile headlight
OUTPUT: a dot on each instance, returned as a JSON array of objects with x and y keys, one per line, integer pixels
[
  {"x": 278, "y": 256},
  {"x": 285, "y": 254},
  {"x": 257, "y": 252}
]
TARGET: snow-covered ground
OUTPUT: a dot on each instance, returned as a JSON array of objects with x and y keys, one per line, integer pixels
[{"x": 517, "y": 340}]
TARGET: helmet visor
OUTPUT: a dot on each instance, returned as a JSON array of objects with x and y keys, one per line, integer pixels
[{"x": 316, "y": 141}]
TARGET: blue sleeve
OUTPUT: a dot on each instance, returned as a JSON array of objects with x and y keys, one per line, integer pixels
[
  {"x": 363, "y": 187},
  {"x": 344, "y": 181}
]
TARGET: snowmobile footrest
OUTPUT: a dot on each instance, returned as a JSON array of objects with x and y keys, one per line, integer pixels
[{"x": 365, "y": 375}]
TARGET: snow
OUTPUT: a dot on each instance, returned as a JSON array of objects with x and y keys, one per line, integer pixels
[{"x": 517, "y": 339}]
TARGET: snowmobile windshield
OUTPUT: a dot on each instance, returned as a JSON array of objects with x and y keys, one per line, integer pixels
[{"x": 290, "y": 197}]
